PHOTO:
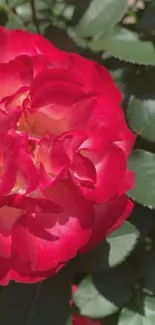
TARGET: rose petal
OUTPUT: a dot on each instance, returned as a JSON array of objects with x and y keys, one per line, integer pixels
[
  {"x": 18, "y": 42},
  {"x": 5, "y": 246},
  {"x": 79, "y": 320},
  {"x": 108, "y": 217},
  {"x": 110, "y": 170},
  {"x": 8, "y": 120},
  {"x": 10, "y": 154},
  {"x": 127, "y": 183},
  {"x": 43, "y": 237},
  {"x": 84, "y": 171},
  {"x": 29, "y": 172},
  {"x": 94, "y": 76}
]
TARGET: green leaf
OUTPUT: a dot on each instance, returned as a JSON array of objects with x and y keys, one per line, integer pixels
[
  {"x": 143, "y": 164},
  {"x": 139, "y": 312},
  {"x": 13, "y": 3},
  {"x": 68, "y": 12},
  {"x": 111, "y": 252},
  {"x": 118, "y": 78},
  {"x": 121, "y": 242},
  {"x": 8, "y": 16},
  {"x": 141, "y": 118},
  {"x": 3, "y": 15},
  {"x": 100, "y": 16},
  {"x": 46, "y": 302},
  {"x": 125, "y": 45},
  {"x": 81, "y": 42},
  {"x": 14, "y": 22},
  {"x": 24, "y": 11},
  {"x": 102, "y": 294}
]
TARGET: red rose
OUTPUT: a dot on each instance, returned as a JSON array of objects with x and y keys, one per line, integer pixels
[
  {"x": 79, "y": 320},
  {"x": 63, "y": 152}
]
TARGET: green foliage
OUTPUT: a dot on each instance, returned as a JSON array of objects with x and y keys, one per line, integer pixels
[
  {"x": 139, "y": 312},
  {"x": 101, "y": 16},
  {"x": 111, "y": 252},
  {"x": 141, "y": 118},
  {"x": 102, "y": 294},
  {"x": 125, "y": 45},
  {"x": 143, "y": 164}
]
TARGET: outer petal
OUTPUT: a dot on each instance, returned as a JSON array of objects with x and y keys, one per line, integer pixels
[
  {"x": 8, "y": 217},
  {"x": 18, "y": 42},
  {"x": 108, "y": 217},
  {"x": 14, "y": 75},
  {"x": 5, "y": 266},
  {"x": 19, "y": 73},
  {"x": 94, "y": 76},
  {"x": 47, "y": 239},
  {"x": 109, "y": 115},
  {"x": 110, "y": 171},
  {"x": 127, "y": 138},
  {"x": 12, "y": 266},
  {"x": 53, "y": 75},
  {"x": 5, "y": 247},
  {"x": 127, "y": 183},
  {"x": 9, "y": 80},
  {"x": 18, "y": 270},
  {"x": 125, "y": 214},
  {"x": 79, "y": 320}
]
